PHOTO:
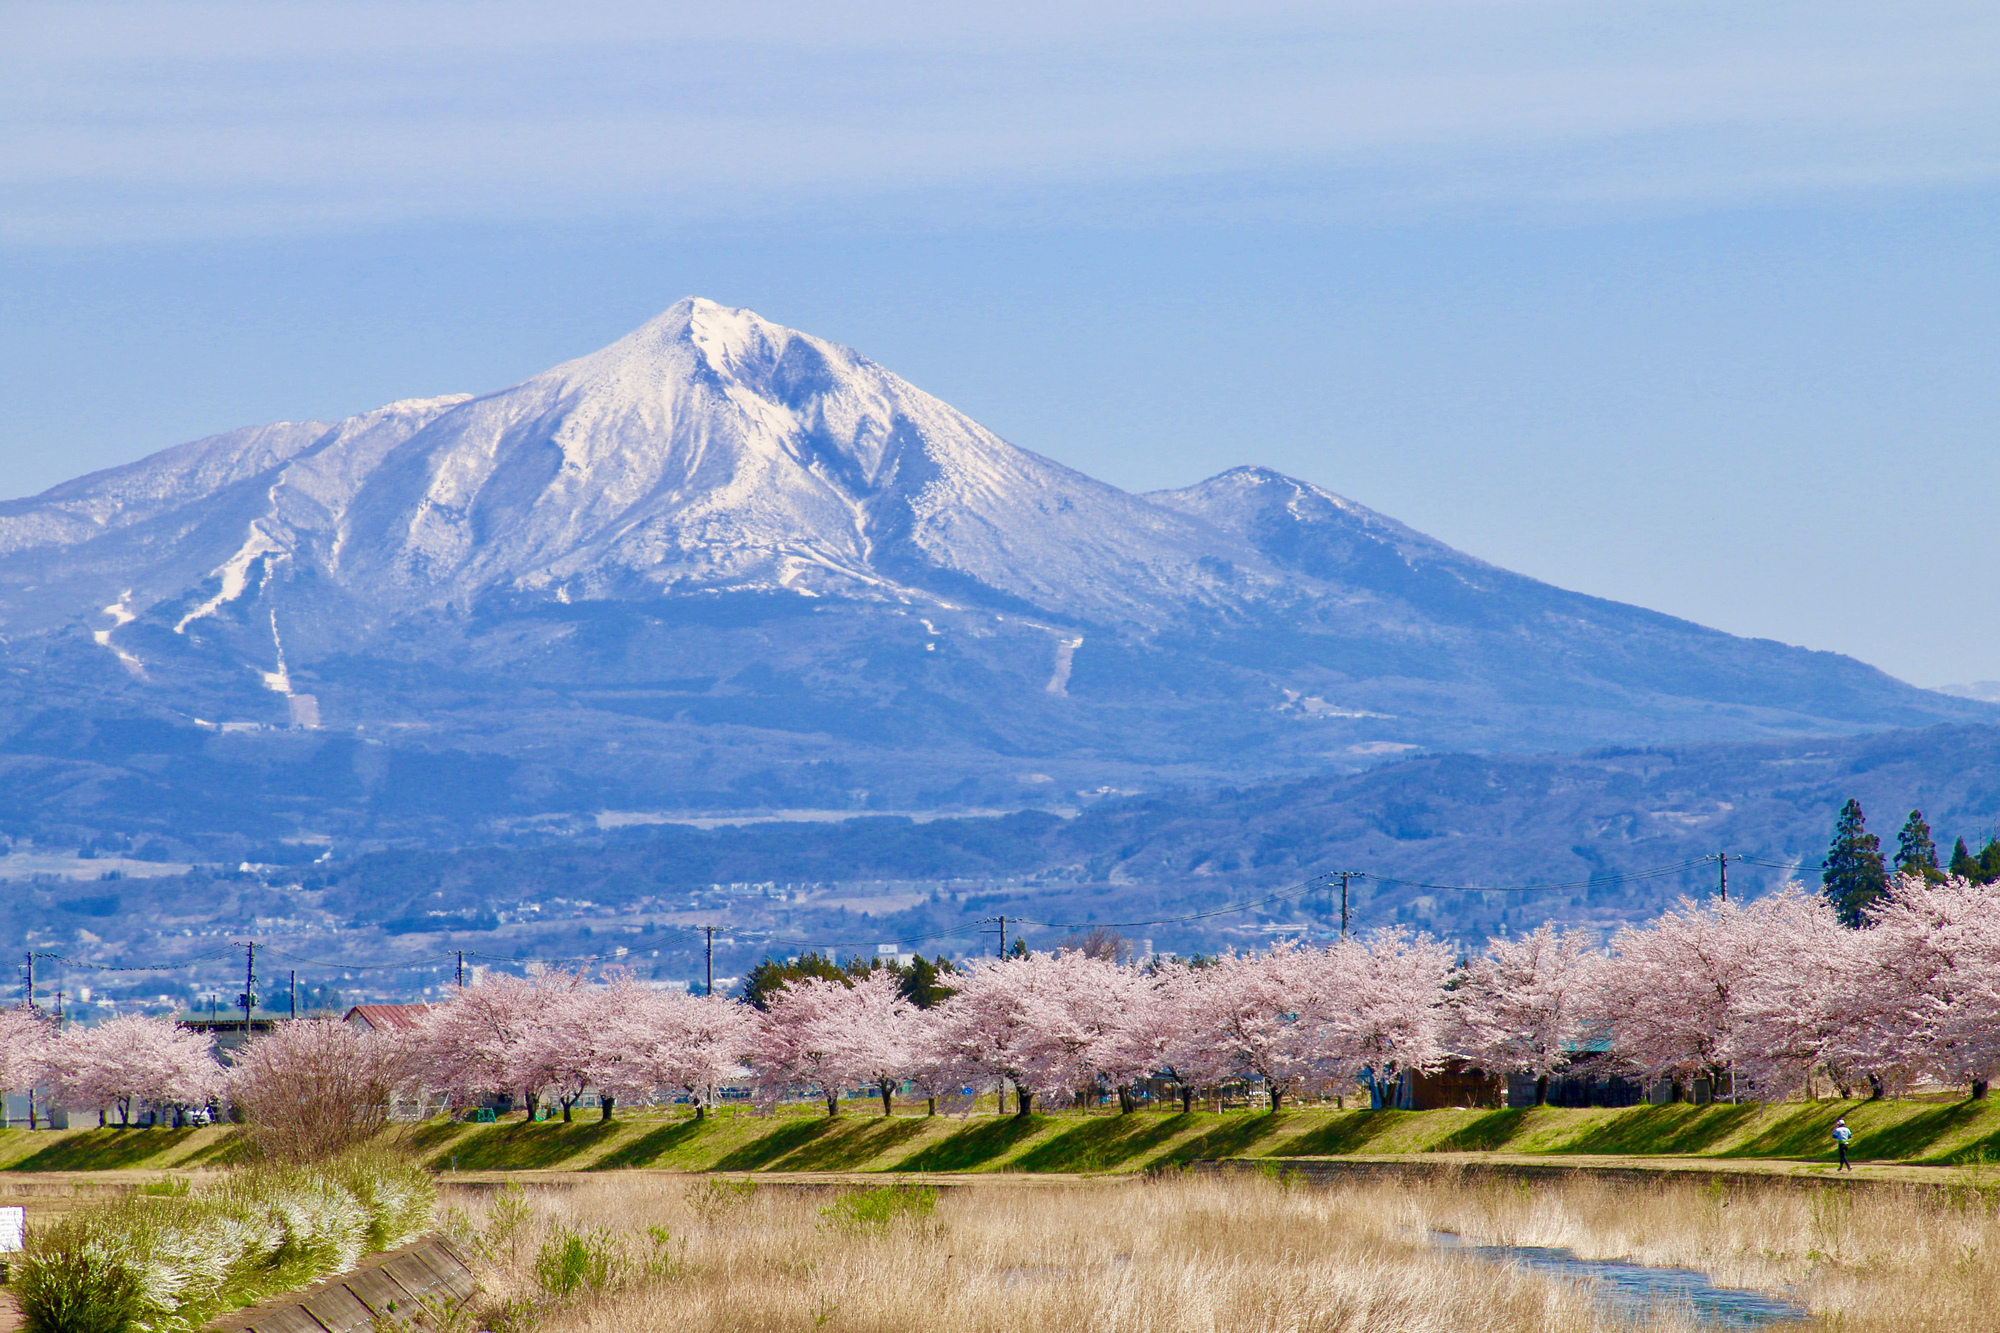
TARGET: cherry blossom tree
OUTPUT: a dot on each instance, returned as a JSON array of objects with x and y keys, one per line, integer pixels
[
  {"x": 492, "y": 1037},
  {"x": 133, "y": 1061},
  {"x": 25, "y": 1035},
  {"x": 884, "y": 1030},
  {"x": 1932, "y": 980},
  {"x": 1794, "y": 1010},
  {"x": 1160, "y": 1032},
  {"x": 1386, "y": 1014},
  {"x": 1031, "y": 1020},
  {"x": 581, "y": 1043},
  {"x": 1672, "y": 993},
  {"x": 811, "y": 1038},
  {"x": 1260, "y": 1015},
  {"x": 686, "y": 1044},
  {"x": 1525, "y": 1004},
  {"x": 935, "y": 1067}
]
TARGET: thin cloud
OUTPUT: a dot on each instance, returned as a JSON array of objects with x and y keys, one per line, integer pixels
[{"x": 160, "y": 120}]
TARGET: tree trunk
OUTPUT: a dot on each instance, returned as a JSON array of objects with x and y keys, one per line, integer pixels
[
  {"x": 1187, "y": 1099},
  {"x": 888, "y": 1089},
  {"x": 100, "y": 1119},
  {"x": 930, "y": 1106},
  {"x": 1979, "y": 1086},
  {"x": 567, "y": 1102},
  {"x": 832, "y": 1103},
  {"x": 1126, "y": 1106},
  {"x": 1277, "y": 1095},
  {"x": 1541, "y": 1090},
  {"x": 529, "y": 1099},
  {"x": 124, "y": 1111},
  {"x": 1023, "y": 1100},
  {"x": 1876, "y": 1091},
  {"x": 604, "y": 1105},
  {"x": 700, "y": 1109}
]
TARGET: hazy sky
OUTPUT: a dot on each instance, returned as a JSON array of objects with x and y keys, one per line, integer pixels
[{"x": 1687, "y": 304}]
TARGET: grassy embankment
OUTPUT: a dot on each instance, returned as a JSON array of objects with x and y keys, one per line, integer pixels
[{"x": 1908, "y": 1131}]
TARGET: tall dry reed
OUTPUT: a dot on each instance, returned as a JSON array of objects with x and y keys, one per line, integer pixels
[{"x": 1191, "y": 1255}]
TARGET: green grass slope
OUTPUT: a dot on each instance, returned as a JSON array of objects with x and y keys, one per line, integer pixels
[{"x": 1925, "y": 1132}]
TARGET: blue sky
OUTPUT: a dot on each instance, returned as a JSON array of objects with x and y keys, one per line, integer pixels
[{"x": 1687, "y": 304}]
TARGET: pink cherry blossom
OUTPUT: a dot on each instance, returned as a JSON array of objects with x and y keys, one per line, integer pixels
[
  {"x": 822, "y": 1035},
  {"x": 1673, "y": 995},
  {"x": 1525, "y": 1004},
  {"x": 1929, "y": 990},
  {"x": 1386, "y": 1011},
  {"x": 493, "y": 1036},
  {"x": 684, "y": 1044},
  {"x": 133, "y": 1061}
]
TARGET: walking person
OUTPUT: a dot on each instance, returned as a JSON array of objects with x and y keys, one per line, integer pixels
[{"x": 1841, "y": 1135}]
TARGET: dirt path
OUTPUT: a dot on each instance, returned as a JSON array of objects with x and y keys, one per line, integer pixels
[{"x": 1531, "y": 1166}]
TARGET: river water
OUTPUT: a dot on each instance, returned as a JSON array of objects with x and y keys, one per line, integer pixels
[{"x": 1632, "y": 1289}]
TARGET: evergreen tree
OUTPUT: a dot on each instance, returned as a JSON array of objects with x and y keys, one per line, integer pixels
[
  {"x": 1963, "y": 863},
  {"x": 1855, "y": 875},
  {"x": 1989, "y": 862},
  {"x": 923, "y": 984},
  {"x": 1916, "y": 854},
  {"x": 765, "y": 978}
]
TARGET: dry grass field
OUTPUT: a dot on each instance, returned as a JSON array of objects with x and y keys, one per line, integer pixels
[{"x": 1207, "y": 1254}]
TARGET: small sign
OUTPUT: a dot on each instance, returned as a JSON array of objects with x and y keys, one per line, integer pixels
[{"x": 13, "y": 1229}]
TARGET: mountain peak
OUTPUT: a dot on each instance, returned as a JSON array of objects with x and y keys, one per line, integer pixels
[{"x": 712, "y": 463}]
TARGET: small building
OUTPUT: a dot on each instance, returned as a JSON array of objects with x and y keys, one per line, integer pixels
[
  {"x": 1455, "y": 1084},
  {"x": 386, "y": 1017},
  {"x": 226, "y": 1035}
]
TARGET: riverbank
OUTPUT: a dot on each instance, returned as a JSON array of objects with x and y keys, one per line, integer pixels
[{"x": 1912, "y": 1132}]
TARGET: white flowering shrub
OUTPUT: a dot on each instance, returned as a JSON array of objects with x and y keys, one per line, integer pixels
[{"x": 169, "y": 1265}]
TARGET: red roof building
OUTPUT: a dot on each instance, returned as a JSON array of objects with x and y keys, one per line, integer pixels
[{"x": 387, "y": 1017}]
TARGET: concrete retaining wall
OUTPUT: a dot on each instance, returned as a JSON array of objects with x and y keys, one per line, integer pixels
[{"x": 385, "y": 1287}]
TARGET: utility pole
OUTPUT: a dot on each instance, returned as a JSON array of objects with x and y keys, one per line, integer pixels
[
  {"x": 1722, "y": 867},
  {"x": 31, "y": 978},
  {"x": 1003, "y": 937},
  {"x": 249, "y": 997},
  {"x": 293, "y": 1008},
  {"x": 1343, "y": 903},
  {"x": 709, "y": 986},
  {"x": 461, "y": 969}
]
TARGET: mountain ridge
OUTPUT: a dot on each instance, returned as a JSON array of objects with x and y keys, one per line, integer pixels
[{"x": 719, "y": 557}]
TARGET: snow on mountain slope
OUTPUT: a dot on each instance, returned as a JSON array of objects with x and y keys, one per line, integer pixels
[
  {"x": 567, "y": 531},
  {"x": 88, "y": 507},
  {"x": 711, "y": 449},
  {"x": 156, "y": 531}
]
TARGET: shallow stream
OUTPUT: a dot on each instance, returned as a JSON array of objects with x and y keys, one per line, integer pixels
[{"x": 1632, "y": 1289}]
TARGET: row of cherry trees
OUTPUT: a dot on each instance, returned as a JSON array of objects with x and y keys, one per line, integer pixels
[
  {"x": 120, "y": 1065},
  {"x": 1776, "y": 993}
]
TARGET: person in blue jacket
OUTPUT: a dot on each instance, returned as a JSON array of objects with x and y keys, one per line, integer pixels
[{"x": 1841, "y": 1135}]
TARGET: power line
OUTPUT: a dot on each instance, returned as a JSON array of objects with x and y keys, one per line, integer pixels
[{"x": 136, "y": 967}]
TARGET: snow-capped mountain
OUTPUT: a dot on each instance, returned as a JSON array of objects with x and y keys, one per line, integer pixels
[
  {"x": 708, "y": 451},
  {"x": 719, "y": 537}
]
